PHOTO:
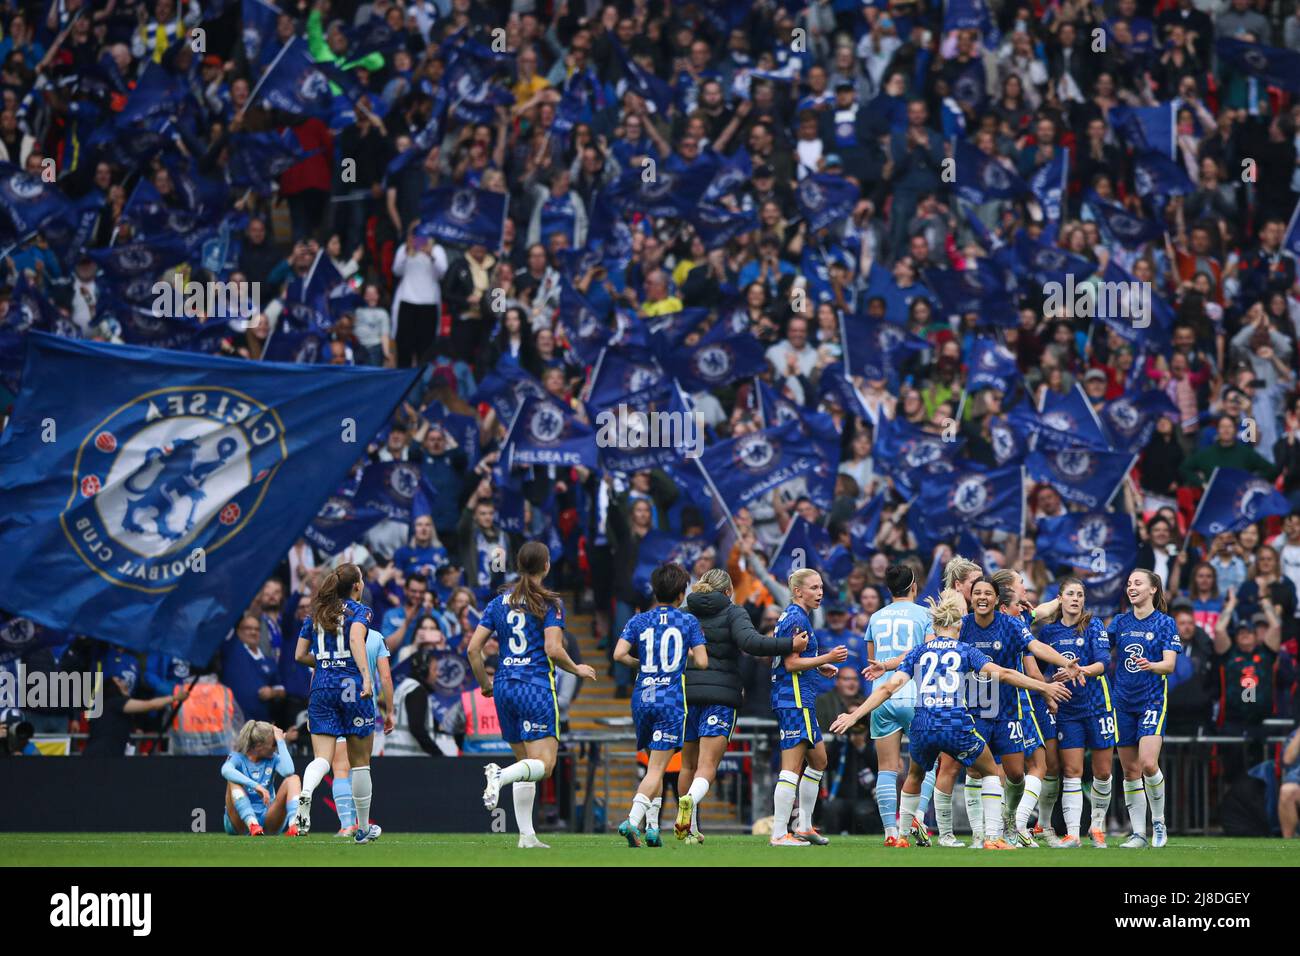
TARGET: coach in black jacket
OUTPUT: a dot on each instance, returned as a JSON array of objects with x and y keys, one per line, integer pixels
[{"x": 713, "y": 695}]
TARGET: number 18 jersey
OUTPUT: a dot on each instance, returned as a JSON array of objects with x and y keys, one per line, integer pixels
[{"x": 522, "y": 639}]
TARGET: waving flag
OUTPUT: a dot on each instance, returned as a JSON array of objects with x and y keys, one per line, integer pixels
[
  {"x": 1081, "y": 476},
  {"x": 259, "y": 20},
  {"x": 658, "y": 547},
  {"x": 717, "y": 226},
  {"x": 669, "y": 330},
  {"x": 544, "y": 432},
  {"x": 505, "y": 388},
  {"x": 969, "y": 498},
  {"x": 806, "y": 545},
  {"x": 877, "y": 350},
  {"x": 1120, "y": 225},
  {"x": 1291, "y": 241},
  {"x": 1235, "y": 498},
  {"x": 200, "y": 458},
  {"x": 257, "y": 160},
  {"x": 719, "y": 359},
  {"x": 912, "y": 456},
  {"x": 1274, "y": 65},
  {"x": 29, "y": 203},
  {"x": 971, "y": 15},
  {"x": 1043, "y": 262},
  {"x": 733, "y": 172},
  {"x": 387, "y": 491},
  {"x": 981, "y": 178},
  {"x": 1131, "y": 419},
  {"x": 825, "y": 200},
  {"x": 1146, "y": 128},
  {"x": 584, "y": 328},
  {"x": 675, "y": 189},
  {"x": 1087, "y": 539},
  {"x": 626, "y": 375},
  {"x": 1156, "y": 177},
  {"x": 1062, "y": 422},
  {"x": 983, "y": 289},
  {"x": 295, "y": 83},
  {"x": 1048, "y": 184},
  {"x": 463, "y": 215},
  {"x": 745, "y": 468},
  {"x": 644, "y": 83},
  {"x": 992, "y": 365},
  {"x": 865, "y": 525},
  {"x": 473, "y": 96}
]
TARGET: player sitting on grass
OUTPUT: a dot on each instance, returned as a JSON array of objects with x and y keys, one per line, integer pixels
[
  {"x": 252, "y": 803},
  {"x": 664, "y": 637},
  {"x": 942, "y": 723}
]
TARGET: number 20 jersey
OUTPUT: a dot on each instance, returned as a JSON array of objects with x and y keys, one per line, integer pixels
[{"x": 522, "y": 640}]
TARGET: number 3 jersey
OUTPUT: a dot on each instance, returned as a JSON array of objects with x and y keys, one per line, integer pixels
[
  {"x": 333, "y": 652},
  {"x": 522, "y": 639},
  {"x": 662, "y": 638},
  {"x": 1149, "y": 637}
]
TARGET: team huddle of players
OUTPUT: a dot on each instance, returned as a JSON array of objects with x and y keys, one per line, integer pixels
[{"x": 965, "y": 677}]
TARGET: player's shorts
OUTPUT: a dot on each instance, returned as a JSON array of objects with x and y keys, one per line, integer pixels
[
  {"x": 955, "y": 736},
  {"x": 659, "y": 725},
  {"x": 1093, "y": 733},
  {"x": 1038, "y": 725},
  {"x": 1292, "y": 775},
  {"x": 229, "y": 825},
  {"x": 797, "y": 725},
  {"x": 1133, "y": 725},
  {"x": 891, "y": 717},
  {"x": 710, "y": 720},
  {"x": 1004, "y": 736},
  {"x": 328, "y": 713},
  {"x": 526, "y": 711}
]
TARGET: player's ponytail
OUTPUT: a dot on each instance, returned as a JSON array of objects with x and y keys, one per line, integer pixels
[
  {"x": 533, "y": 560},
  {"x": 714, "y": 579},
  {"x": 327, "y": 605},
  {"x": 253, "y": 733}
]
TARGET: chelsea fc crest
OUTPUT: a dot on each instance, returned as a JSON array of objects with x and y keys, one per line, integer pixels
[{"x": 173, "y": 470}]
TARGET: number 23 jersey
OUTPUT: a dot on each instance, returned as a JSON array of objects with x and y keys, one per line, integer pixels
[{"x": 522, "y": 639}]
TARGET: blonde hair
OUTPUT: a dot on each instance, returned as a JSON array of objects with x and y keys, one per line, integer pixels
[
  {"x": 948, "y": 610},
  {"x": 800, "y": 577},
  {"x": 714, "y": 579},
  {"x": 253, "y": 733},
  {"x": 958, "y": 569}
]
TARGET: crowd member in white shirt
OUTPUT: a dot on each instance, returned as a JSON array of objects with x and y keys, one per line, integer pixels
[
  {"x": 793, "y": 357},
  {"x": 420, "y": 264}
]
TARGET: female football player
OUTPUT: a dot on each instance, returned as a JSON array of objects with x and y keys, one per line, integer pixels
[
  {"x": 1087, "y": 719},
  {"x": 942, "y": 723},
  {"x": 801, "y": 738},
  {"x": 1147, "y": 648},
  {"x": 333, "y": 643},
  {"x": 253, "y": 804},
  {"x": 377, "y": 656},
  {"x": 528, "y": 623}
]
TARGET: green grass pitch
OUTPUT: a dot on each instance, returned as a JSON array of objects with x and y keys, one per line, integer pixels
[{"x": 459, "y": 849}]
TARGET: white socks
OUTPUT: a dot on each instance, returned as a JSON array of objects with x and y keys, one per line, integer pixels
[
  {"x": 787, "y": 786},
  {"x": 652, "y": 815},
  {"x": 943, "y": 812},
  {"x": 362, "y": 788},
  {"x": 974, "y": 809},
  {"x": 699, "y": 790},
  {"x": 1033, "y": 789},
  {"x": 1047, "y": 800},
  {"x": 640, "y": 807},
  {"x": 524, "y": 794},
  {"x": 526, "y": 770},
  {"x": 1011, "y": 792},
  {"x": 313, "y": 775},
  {"x": 1155, "y": 789},
  {"x": 1072, "y": 804},
  {"x": 991, "y": 803},
  {"x": 809, "y": 787},
  {"x": 1101, "y": 791},
  {"x": 1135, "y": 799},
  {"x": 907, "y": 804}
]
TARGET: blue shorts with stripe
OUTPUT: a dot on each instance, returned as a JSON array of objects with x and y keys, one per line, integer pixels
[
  {"x": 660, "y": 725},
  {"x": 891, "y": 717},
  {"x": 954, "y": 735},
  {"x": 329, "y": 711},
  {"x": 710, "y": 720},
  {"x": 1133, "y": 725},
  {"x": 1091, "y": 733},
  {"x": 1040, "y": 724},
  {"x": 1005, "y": 736},
  {"x": 526, "y": 711},
  {"x": 797, "y": 724}
]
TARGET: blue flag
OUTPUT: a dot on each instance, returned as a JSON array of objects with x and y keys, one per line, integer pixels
[
  {"x": 257, "y": 160},
  {"x": 387, "y": 491},
  {"x": 1156, "y": 177},
  {"x": 463, "y": 215},
  {"x": 877, "y": 350},
  {"x": 1291, "y": 241},
  {"x": 295, "y": 83},
  {"x": 733, "y": 172},
  {"x": 544, "y": 432},
  {"x": 505, "y": 388},
  {"x": 1081, "y": 476},
  {"x": 659, "y": 547},
  {"x": 992, "y": 365},
  {"x": 971, "y": 15},
  {"x": 719, "y": 359},
  {"x": 644, "y": 83},
  {"x": 970, "y": 86},
  {"x": 905, "y": 452},
  {"x": 745, "y": 468},
  {"x": 1146, "y": 128},
  {"x": 981, "y": 178},
  {"x": 259, "y": 19},
  {"x": 1235, "y": 498},
  {"x": 674, "y": 191},
  {"x": 984, "y": 288},
  {"x": 160, "y": 454},
  {"x": 992, "y": 500},
  {"x": 28, "y": 203},
  {"x": 1090, "y": 540},
  {"x": 1048, "y": 184},
  {"x": 1274, "y": 65},
  {"x": 1121, "y": 226},
  {"x": 807, "y": 545},
  {"x": 626, "y": 376},
  {"x": 865, "y": 525},
  {"x": 717, "y": 226},
  {"x": 1064, "y": 422},
  {"x": 1131, "y": 419},
  {"x": 825, "y": 199}
]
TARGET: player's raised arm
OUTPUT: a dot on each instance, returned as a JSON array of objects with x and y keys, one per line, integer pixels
[
  {"x": 1048, "y": 654},
  {"x": 878, "y": 696},
  {"x": 1056, "y": 692}
]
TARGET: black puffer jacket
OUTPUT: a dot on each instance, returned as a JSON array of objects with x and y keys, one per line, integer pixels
[{"x": 727, "y": 631}]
